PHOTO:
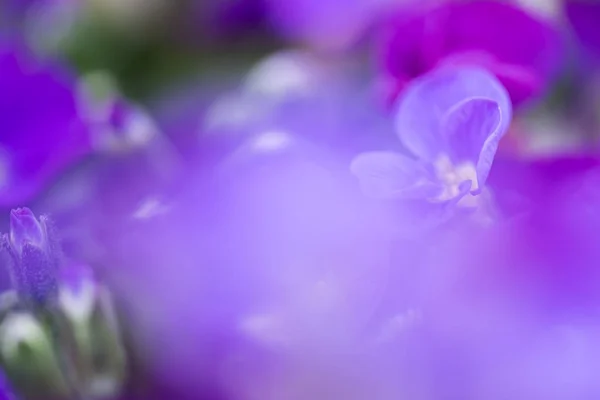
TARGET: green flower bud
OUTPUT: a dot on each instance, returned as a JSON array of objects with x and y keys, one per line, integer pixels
[
  {"x": 90, "y": 328},
  {"x": 29, "y": 360},
  {"x": 71, "y": 350}
]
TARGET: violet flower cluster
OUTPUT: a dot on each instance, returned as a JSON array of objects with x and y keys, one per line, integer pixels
[{"x": 294, "y": 200}]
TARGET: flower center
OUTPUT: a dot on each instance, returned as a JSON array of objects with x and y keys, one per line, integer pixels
[{"x": 451, "y": 176}]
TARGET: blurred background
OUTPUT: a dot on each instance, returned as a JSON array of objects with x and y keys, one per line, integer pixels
[{"x": 195, "y": 154}]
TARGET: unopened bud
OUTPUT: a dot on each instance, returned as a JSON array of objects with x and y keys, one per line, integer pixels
[
  {"x": 29, "y": 360},
  {"x": 33, "y": 256},
  {"x": 25, "y": 229}
]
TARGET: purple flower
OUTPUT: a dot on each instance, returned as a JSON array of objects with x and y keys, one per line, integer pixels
[
  {"x": 32, "y": 255},
  {"x": 5, "y": 392},
  {"x": 522, "y": 51},
  {"x": 512, "y": 308},
  {"x": 451, "y": 121},
  {"x": 42, "y": 132},
  {"x": 584, "y": 17},
  {"x": 273, "y": 235},
  {"x": 329, "y": 24},
  {"x": 290, "y": 94}
]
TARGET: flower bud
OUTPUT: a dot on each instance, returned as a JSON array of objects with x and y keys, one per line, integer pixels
[
  {"x": 33, "y": 257},
  {"x": 25, "y": 229},
  {"x": 29, "y": 360}
]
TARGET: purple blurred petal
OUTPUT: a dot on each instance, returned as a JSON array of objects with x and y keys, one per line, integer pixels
[
  {"x": 525, "y": 57},
  {"x": 278, "y": 236},
  {"x": 389, "y": 175},
  {"x": 42, "y": 131},
  {"x": 228, "y": 19},
  {"x": 424, "y": 105},
  {"x": 330, "y": 23},
  {"x": 584, "y": 17}
]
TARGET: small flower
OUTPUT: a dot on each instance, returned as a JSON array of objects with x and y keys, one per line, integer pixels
[
  {"x": 451, "y": 121},
  {"x": 33, "y": 257}
]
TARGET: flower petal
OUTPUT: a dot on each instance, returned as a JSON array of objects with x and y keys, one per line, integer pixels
[
  {"x": 473, "y": 129},
  {"x": 514, "y": 37},
  {"x": 389, "y": 175},
  {"x": 416, "y": 42},
  {"x": 42, "y": 130},
  {"x": 583, "y": 17},
  {"x": 520, "y": 81},
  {"x": 329, "y": 24},
  {"x": 426, "y": 103}
]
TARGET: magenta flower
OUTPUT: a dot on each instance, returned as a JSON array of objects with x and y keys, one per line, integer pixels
[
  {"x": 42, "y": 132},
  {"x": 451, "y": 121},
  {"x": 522, "y": 51}
]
